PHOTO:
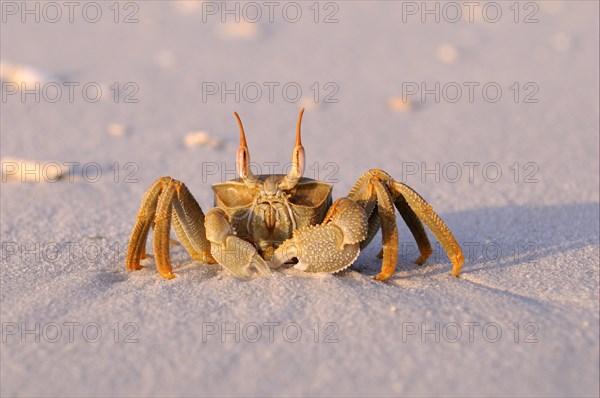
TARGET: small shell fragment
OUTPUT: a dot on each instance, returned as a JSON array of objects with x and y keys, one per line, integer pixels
[
  {"x": 165, "y": 59},
  {"x": 18, "y": 170},
  {"x": 398, "y": 104},
  {"x": 186, "y": 6},
  {"x": 196, "y": 138},
  {"x": 22, "y": 74},
  {"x": 447, "y": 53},
  {"x": 242, "y": 30},
  {"x": 116, "y": 129},
  {"x": 551, "y": 7},
  {"x": 561, "y": 42}
]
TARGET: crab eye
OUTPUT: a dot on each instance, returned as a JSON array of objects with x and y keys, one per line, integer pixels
[
  {"x": 232, "y": 195},
  {"x": 311, "y": 193}
]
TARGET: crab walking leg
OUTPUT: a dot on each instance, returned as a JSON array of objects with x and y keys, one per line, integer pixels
[
  {"x": 231, "y": 252},
  {"x": 374, "y": 197},
  {"x": 139, "y": 234},
  {"x": 416, "y": 228},
  {"x": 424, "y": 211},
  {"x": 162, "y": 229},
  {"x": 389, "y": 230},
  {"x": 182, "y": 236},
  {"x": 362, "y": 193},
  {"x": 374, "y": 225},
  {"x": 166, "y": 201},
  {"x": 188, "y": 223}
]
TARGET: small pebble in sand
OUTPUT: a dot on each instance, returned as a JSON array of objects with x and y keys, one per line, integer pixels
[
  {"x": 393, "y": 308},
  {"x": 116, "y": 129},
  {"x": 202, "y": 138},
  {"x": 397, "y": 104},
  {"x": 561, "y": 42},
  {"x": 22, "y": 74},
  {"x": 447, "y": 53},
  {"x": 19, "y": 170},
  {"x": 186, "y": 6},
  {"x": 165, "y": 59},
  {"x": 196, "y": 138},
  {"x": 551, "y": 7},
  {"x": 242, "y": 30}
]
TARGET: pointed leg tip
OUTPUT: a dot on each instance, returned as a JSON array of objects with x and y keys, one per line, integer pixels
[
  {"x": 457, "y": 265},
  {"x": 134, "y": 267},
  {"x": 208, "y": 258},
  {"x": 382, "y": 277},
  {"x": 456, "y": 270},
  {"x": 169, "y": 275},
  {"x": 421, "y": 260}
]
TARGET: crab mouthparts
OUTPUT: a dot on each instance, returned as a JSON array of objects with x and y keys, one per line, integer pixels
[{"x": 270, "y": 217}]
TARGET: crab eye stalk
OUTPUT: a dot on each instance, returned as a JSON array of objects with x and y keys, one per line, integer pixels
[
  {"x": 243, "y": 158},
  {"x": 297, "y": 169}
]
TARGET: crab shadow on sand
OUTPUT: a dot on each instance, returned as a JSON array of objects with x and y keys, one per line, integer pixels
[{"x": 496, "y": 238}]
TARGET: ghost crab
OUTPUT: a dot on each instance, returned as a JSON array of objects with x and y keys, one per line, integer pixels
[{"x": 261, "y": 222}]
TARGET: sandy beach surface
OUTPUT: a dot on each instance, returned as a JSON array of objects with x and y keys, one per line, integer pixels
[{"x": 489, "y": 111}]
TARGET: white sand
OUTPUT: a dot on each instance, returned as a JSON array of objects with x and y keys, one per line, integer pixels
[{"x": 544, "y": 276}]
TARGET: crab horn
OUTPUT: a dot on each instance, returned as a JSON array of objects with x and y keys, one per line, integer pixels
[
  {"x": 243, "y": 157},
  {"x": 295, "y": 173}
]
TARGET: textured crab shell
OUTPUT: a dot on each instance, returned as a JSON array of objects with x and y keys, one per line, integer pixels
[{"x": 309, "y": 202}]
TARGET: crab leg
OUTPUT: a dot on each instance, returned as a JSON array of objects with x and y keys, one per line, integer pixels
[
  {"x": 416, "y": 228},
  {"x": 166, "y": 201},
  {"x": 389, "y": 230},
  {"x": 233, "y": 253},
  {"x": 188, "y": 223},
  {"x": 377, "y": 185},
  {"x": 424, "y": 211},
  {"x": 373, "y": 196},
  {"x": 363, "y": 194},
  {"x": 162, "y": 227},
  {"x": 139, "y": 234}
]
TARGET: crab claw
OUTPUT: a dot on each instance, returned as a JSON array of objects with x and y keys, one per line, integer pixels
[
  {"x": 233, "y": 253},
  {"x": 329, "y": 247}
]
